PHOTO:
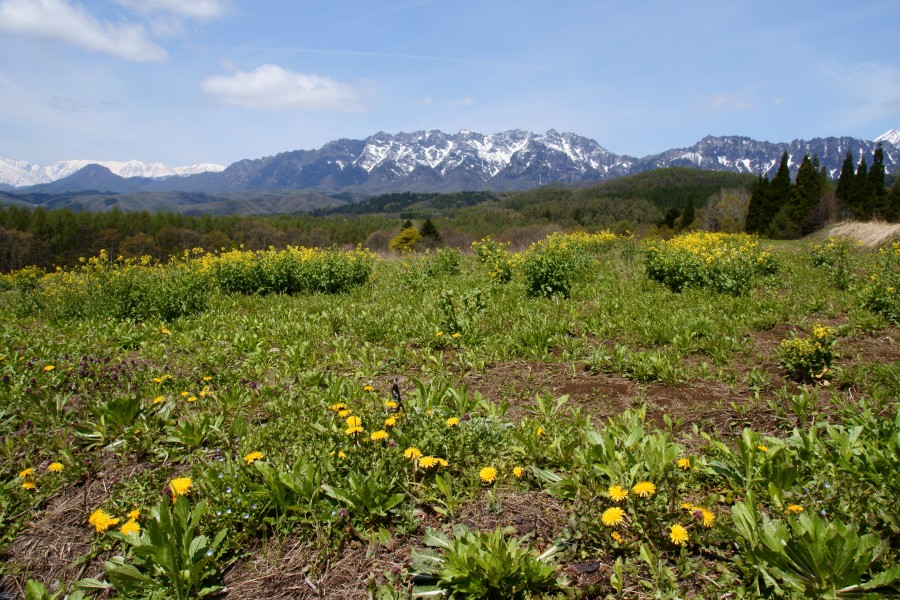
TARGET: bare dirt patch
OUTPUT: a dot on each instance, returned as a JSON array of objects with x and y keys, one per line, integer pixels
[{"x": 871, "y": 234}]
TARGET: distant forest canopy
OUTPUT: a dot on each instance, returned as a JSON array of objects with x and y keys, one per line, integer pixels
[{"x": 655, "y": 202}]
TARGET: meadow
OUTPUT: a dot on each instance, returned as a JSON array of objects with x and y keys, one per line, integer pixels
[{"x": 597, "y": 416}]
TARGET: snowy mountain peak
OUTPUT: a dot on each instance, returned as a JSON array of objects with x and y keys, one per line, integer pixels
[
  {"x": 20, "y": 173},
  {"x": 892, "y": 137}
]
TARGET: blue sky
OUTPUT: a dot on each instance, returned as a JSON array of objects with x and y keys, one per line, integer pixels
[{"x": 188, "y": 81}]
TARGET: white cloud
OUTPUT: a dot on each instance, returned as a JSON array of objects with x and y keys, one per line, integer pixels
[
  {"x": 273, "y": 88},
  {"x": 464, "y": 101},
  {"x": 192, "y": 9},
  {"x": 66, "y": 104},
  {"x": 721, "y": 101},
  {"x": 59, "y": 20}
]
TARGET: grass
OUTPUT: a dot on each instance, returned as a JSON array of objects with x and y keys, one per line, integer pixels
[{"x": 562, "y": 397}]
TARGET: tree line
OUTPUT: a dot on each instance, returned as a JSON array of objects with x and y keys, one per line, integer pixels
[{"x": 782, "y": 209}]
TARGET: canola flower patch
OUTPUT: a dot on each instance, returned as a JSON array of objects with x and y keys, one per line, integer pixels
[{"x": 725, "y": 263}]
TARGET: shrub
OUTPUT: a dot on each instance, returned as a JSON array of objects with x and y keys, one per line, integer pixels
[
  {"x": 550, "y": 265},
  {"x": 406, "y": 241},
  {"x": 882, "y": 293},
  {"x": 808, "y": 359},
  {"x": 725, "y": 263},
  {"x": 497, "y": 258}
]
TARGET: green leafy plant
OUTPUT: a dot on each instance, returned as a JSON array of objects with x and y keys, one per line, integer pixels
[
  {"x": 808, "y": 359},
  {"x": 478, "y": 564}
]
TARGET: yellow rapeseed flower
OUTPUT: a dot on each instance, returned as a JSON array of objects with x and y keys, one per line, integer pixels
[
  {"x": 452, "y": 422},
  {"x": 684, "y": 463},
  {"x": 488, "y": 474},
  {"x": 612, "y": 517},
  {"x": 55, "y": 467},
  {"x": 378, "y": 435},
  {"x": 180, "y": 486},
  {"x": 253, "y": 456},
  {"x": 101, "y": 520},
  {"x": 678, "y": 535},
  {"x": 617, "y": 493},
  {"x": 130, "y": 527},
  {"x": 644, "y": 489},
  {"x": 412, "y": 452}
]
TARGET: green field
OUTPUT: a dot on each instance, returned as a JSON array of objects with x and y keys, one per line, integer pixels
[{"x": 595, "y": 417}]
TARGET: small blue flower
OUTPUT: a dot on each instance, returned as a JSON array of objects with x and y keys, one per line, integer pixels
[
  {"x": 228, "y": 491},
  {"x": 218, "y": 513},
  {"x": 227, "y": 511},
  {"x": 246, "y": 516},
  {"x": 209, "y": 552}
]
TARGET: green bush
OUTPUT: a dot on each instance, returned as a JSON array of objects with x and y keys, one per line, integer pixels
[
  {"x": 882, "y": 293},
  {"x": 808, "y": 359}
]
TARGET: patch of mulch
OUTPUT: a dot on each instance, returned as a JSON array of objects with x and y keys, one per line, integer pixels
[
  {"x": 534, "y": 512},
  {"x": 283, "y": 570}
]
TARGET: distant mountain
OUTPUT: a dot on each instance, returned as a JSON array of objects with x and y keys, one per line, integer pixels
[
  {"x": 892, "y": 136},
  {"x": 20, "y": 173},
  {"x": 433, "y": 161}
]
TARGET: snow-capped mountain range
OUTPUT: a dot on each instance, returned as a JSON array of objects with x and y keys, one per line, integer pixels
[
  {"x": 20, "y": 173},
  {"x": 435, "y": 161}
]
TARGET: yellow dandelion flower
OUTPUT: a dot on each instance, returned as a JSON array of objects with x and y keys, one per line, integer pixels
[
  {"x": 709, "y": 519},
  {"x": 49, "y": 368},
  {"x": 452, "y": 422},
  {"x": 342, "y": 454},
  {"x": 412, "y": 453},
  {"x": 684, "y": 464},
  {"x": 688, "y": 506},
  {"x": 390, "y": 404},
  {"x": 617, "y": 537},
  {"x": 133, "y": 515},
  {"x": 456, "y": 335},
  {"x": 164, "y": 331},
  {"x": 130, "y": 527},
  {"x": 617, "y": 493},
  {"x": 338, "y": 406},
  {"x": 185, "y": 394},
  {"x": 353, "y": 430},
  {"x": 207, "y": 378},
  {"x": 192, "y": 398},
  {"x": 101, "y": 520},
  {"x": 644, "y": 489},
  {"x": 442, "y": 462},
  {"x": 345, "y": 413},
  {"x": 157, "y": 380},
  {"x": 518, "y": 472},
  {"x": 426, "y": 462},
  {"x": 540, "y": 431},
  {"x": 439, "y": 334},
  {"x": 26, "y": 473},
  {"x": 252, "y": 457},
  {"x": 55, "y": 467},
  {"x": 678, "y": 535},
  {"x": 762, "y": 448},
  {"x": 613, "y": 517},
  {"x": 390, "y": 421},
  {"x": 378, "y": 435},
  {"x": 488, "y": 474},
  {"x": 28, "y": 485},
  {"x": 795, "y": 508},
  {"x": 180, "y": 486},
  {"x": 158, "y": 399},
  {"x": 368, "y": 388},
  {"x": 354, "y": 422}
]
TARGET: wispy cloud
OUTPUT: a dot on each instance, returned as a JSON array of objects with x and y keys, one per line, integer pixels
[
  {"x": 272, "y": 88},
  {"x": 464, "y": 101},
  {"x": 192, "y": 9},
  {"x": 722, "y": 101},
  {"x": 871, "y": 91},
  {"x": 59, "y": 20},
  {"x": 66, "y": 104}
]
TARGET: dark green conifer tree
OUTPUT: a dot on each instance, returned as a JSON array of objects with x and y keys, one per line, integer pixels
[
  {"x": 430, "y": 235},
  {"x": 687, "y": 215},
  {"x": 876, "y": 190},
  {"x": 892, "y": 205},
  {"x": 757, "y": 220},
  {"x": 806, "y": 191},
  {"x": 844, "y": 189},
  {"x": 779, "y": 192},
  {"x": 859, "y": 196}
]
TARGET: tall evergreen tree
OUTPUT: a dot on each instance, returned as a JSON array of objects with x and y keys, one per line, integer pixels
[
  {"x": 892, "y": 206},
  {"x": 756, "y": 211},
  {"x": 806, "y": 191},
  {"x": 875, "y": 184},
  {"x": 430, "y": 234},
  {"x": 844, "y": 189},
  {"x": 779, "y": 193},
  {"x": 859, "y": 195}
]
